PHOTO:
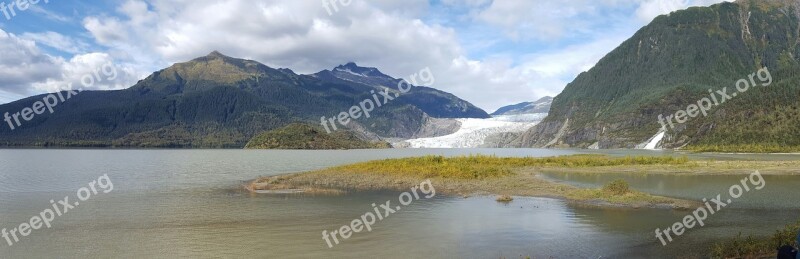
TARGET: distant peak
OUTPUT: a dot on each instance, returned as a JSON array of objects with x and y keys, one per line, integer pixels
[
  {"x": 349, "y": 65},
  {"x": 355, "y": 69},
  {"x": 216, "y": 54}
]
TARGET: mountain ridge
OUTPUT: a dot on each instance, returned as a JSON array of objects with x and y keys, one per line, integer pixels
[
  {"x": 219, "y": 101},
  {"x": 539, "y": 106}
]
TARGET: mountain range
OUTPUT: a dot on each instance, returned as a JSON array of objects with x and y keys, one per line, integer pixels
[{"x": 220, "y": 101}]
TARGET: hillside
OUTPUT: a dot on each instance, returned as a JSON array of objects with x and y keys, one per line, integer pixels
[
  {"x": 220, "y": 101},
  {"x": 672, "y": 63},
  {"x": 305, "y": 136}
]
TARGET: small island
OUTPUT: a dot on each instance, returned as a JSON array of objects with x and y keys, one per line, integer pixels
[
  {"x": 305, "y": 136},
  {"x": 479, "y": 175}
]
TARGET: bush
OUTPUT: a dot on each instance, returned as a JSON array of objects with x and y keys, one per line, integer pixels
[
  {"x": 752, "y": 247},
  {"x": 617, "y": 187}
]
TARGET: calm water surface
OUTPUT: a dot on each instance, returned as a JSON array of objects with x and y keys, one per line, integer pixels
[{"x": 188, "y": 203}]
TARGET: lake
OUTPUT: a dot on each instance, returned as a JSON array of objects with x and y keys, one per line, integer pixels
[{"x": 189, "y": 203}]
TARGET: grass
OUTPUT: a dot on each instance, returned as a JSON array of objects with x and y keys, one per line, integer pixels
[
  {"x": 755, "y": 247},
  {"x": 504, "y": 198},
  {"x": 744, "y": 148},
  {"x": 618, "y": 192},
  {"x": 487, "y": 167},
  {"x": 485, "y": 175}
]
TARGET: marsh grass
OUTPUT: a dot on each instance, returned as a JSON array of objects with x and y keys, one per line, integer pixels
[
  {"x": 487, "y": 167},
  {"x": 504, "y": 198},
  {"x": 618, "y": 192},
  {"x": 468, "y": 175},
  {"x": 755, "y": 247}
]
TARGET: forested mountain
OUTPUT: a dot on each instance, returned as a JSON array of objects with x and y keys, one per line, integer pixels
[
  {"x": 671, "y": 64},
  {"x": 219, "y": 101}
]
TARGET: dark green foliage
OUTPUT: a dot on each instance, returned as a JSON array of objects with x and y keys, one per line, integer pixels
[
  {"x": 756, "y": 247},
  {"x": 304, "y": 136},
  {"x": 672, "y": 62},
  {"x": 617, "y": 187}
]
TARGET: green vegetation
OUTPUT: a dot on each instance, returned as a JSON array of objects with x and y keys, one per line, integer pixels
[
  {"x": 756, "y": 247},
  {"x": 617, "y": 187},
  {"x": 468, "y": 175},
  {"x": 671, "y": 63},
  {"x": 745, "y": 148},
  {"x": 483, "y": 167},
  {"x": 304, "y": 136},
  {"x": 617, "y": 191}
]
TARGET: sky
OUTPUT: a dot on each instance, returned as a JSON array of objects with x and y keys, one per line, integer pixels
[{"x": 491, "y": 53}]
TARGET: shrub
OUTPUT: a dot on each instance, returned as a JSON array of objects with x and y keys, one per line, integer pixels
[
  {"x": 752, "y": 247},
  {"x": 617, "y": 187}
]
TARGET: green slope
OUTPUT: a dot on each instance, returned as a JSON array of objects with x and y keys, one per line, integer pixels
[{"x": 671, "y": 63}]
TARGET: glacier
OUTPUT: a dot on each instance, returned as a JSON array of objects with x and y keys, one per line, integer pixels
[{"x": 473, "y": 132}]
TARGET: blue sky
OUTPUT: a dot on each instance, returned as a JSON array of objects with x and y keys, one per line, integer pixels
[{"x": 489, "y": 52}]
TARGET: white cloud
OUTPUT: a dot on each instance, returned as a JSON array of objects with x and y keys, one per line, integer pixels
[
  {"x": 74, "y": 74},
  {"x": 650, "y": 9},
  {"x": 105, "y": 30},
  {"x": 26, "y": 70},
  {"x": 49, "y": 14},
  {"x": 23, "y": 64},
  {"x": 57, "y": 41}
]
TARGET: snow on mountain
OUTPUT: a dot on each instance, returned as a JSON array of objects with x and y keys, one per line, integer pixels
[
  {"x": 539, "y": 106},
  {"x": 473, "y": 132}
]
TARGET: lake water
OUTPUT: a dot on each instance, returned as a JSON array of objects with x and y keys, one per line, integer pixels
[{"x": 189, "y": 203}]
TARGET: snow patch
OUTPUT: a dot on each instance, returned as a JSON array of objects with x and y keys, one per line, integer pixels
[{"x": 347, "y": 70}]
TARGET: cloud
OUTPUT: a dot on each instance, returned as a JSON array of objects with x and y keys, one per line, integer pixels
[
  {"x": 49, "y": 14},
  {"x": 26, "y": 70},
  {"x": 75, "y": 71},
  {"x": 105, "y": 30},
  {"x": 549, "y": 20},
  {"x": 57, "y": 41},
  {"x": 23, "y": 64},
  {"x": 650, "y": 9}
]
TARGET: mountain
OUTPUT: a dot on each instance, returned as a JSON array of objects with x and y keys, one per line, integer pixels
[
  {"x": 676, "y": 61},
  {"x": 220, "y": 101},
  {"x": 540, "y": 106},
  {"x": 437, "y": 104}
]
